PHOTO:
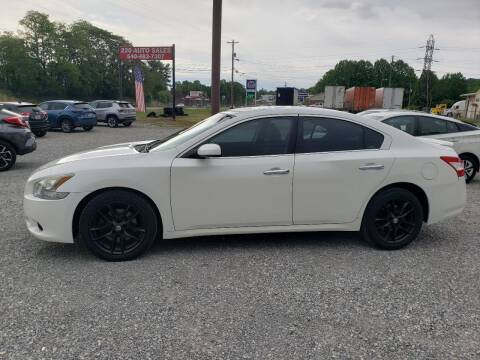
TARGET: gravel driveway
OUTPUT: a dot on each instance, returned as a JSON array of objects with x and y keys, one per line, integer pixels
[{"x": 280, "y": 296}]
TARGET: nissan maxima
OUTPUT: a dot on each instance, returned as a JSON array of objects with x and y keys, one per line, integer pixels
[{"x": 251, "y": 170}]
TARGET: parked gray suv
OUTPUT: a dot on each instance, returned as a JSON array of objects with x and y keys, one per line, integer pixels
[
  {"x": 15, "y": 138},
  {"x": 114, "y": 112}
]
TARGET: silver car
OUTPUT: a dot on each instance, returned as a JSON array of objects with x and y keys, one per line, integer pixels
[{"x": 114, "y": 112}]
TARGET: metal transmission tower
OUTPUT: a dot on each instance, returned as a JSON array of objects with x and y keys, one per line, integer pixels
[{"x": 427, "y": 65}]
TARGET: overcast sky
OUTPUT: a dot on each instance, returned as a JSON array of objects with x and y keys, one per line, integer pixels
[{"x": 282, "y": 41}]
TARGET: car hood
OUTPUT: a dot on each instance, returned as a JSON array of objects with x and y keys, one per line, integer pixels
[{"x": 123, "y": 149}]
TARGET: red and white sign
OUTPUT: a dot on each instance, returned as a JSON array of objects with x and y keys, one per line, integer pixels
[{"x": 145, "y": 53}]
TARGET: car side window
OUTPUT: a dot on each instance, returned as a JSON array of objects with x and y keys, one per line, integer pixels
[
  {"x": 326, "y": 135},
  {"x": 404, "y": 123},
  {"x": 268, "y": 136},
  {"x": 451, "y": 127},
  {"x": 431, "y": 126},
  {"x": 43, "y": 106}
]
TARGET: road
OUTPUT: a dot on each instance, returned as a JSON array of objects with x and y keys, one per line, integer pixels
[{"x": 279, "y": 296}]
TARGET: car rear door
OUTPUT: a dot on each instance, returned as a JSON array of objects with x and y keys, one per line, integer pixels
[
  {"x": 249, "y": 185},
  {"x": 338, "y": 166}
]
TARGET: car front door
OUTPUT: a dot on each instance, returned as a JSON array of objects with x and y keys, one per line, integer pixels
[
  {"x": 101, "y": 110},
  {"x": 249, "y": 185},
  {"x": 338, "y": 165}
]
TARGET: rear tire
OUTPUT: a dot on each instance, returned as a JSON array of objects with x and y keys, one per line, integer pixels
[
  {"x": 471, "y": 166},
  {"x": 8, "y": 156},
  {"x": 393, "y": 219},
  {"x": 118, "y": 225},
  {"x": 88, "y": 127},
  {"x": 40, "y": 133},
  {"x": 112, "y": 121},
  {"x": 127, "y": 124},
  {"x": 66, "y": 125}
]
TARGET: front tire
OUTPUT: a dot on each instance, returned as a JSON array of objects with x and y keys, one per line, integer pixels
[
  {"x": 118, "y": 225},
  {"x": 66, "y": 125},
  {"x": 112, "y": 122},
  {"x": 8, "y": 156},
  {"x": 393, "y": 219},
  {"x": 470, "y": 165}
]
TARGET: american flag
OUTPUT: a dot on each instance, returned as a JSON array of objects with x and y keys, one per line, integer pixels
[{"x": 139, "y": 89}]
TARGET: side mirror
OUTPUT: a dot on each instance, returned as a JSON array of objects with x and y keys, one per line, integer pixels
[{"x": 209, "y": 150}]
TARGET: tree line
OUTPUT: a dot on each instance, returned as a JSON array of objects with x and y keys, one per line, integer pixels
[
  {"x": 48, "y": 59},
  {"x": 383, "y": 73}
]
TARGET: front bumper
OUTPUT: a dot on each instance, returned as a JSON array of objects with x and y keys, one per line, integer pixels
[
  {"x": 28, "y": 145},
  {"x": 51, "y": 220}
]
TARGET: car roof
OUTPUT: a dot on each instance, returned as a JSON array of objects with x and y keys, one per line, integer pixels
[
  {"x": 16, "y": 103},
  {"x": 388, "y": 114},
  {"x": 247, "y": 112},
  {"x": 115, "y": 101},
  {"x": 66, "y": 101}
]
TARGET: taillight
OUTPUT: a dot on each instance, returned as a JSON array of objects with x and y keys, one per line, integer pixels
[
  {"x": 14, "y": 120},
  {"x": 44, "y": 114},
  {"x": 456, "y": 163},
  {"x": 27, "y": 114}
]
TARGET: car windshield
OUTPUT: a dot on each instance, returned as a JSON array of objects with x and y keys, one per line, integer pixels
[
  {"x": 189, "y": 133},
  {"x": 84, "y": 106}
]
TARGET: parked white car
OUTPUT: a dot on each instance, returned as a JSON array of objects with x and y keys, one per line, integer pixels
[
  {"x": 251, "y": 170},
  {"x": 465, "y": 137}
]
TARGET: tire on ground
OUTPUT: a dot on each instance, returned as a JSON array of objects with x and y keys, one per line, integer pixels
[
  {"x": 107, "y": 205},
  {"x": 382, "y": 220}
]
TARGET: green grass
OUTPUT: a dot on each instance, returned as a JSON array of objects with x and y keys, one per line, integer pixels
[{"x": 194, "y": 115}]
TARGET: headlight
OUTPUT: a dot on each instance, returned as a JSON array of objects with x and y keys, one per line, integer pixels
[{"x": 46, "y": 188}]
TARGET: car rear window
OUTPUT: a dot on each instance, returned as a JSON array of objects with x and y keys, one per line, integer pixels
[
  {"x": 125, "y": 105},
  {"x": 28, "y": 108},
  {"x": 84, "y": 106},
  {"x": 466, "y": 127}
]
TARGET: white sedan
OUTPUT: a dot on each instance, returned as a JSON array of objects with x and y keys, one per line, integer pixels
[
  {"x": 251, "y": 170},
  {"x": 465, "y": 137}
]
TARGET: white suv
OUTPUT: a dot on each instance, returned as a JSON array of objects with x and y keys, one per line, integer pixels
[{"x": 114, "y": 112}]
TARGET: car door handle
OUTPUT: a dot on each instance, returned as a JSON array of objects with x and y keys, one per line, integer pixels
[
  {"x": 276, "y": 171},
  {"x": 372, "y": 167}
]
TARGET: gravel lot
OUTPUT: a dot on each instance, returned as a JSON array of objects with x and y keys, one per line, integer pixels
[{"x": 281, "y": 296}]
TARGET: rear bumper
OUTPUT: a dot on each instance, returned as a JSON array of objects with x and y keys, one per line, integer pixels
[
  {"x": 79, "y": 122},
  {"x": 446, "y": 201},
  {"x": 39, "y": 125},
  {"x": 127, "y": 119}
]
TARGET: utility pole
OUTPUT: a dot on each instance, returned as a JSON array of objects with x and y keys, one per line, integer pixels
[
  {"x": 233, "y": 42},
  {"x": 216, "y": 53},
  {"x": 391, "y": 70}
]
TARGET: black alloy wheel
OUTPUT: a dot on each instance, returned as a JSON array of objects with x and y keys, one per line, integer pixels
[
  {"x": 470, "y": 166},
  {"x": 118, "y": 225},
  {"x": 393, "y": 219},
  {"x": 112, "y": 121},
  {"x": 8, "y": 156}
]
